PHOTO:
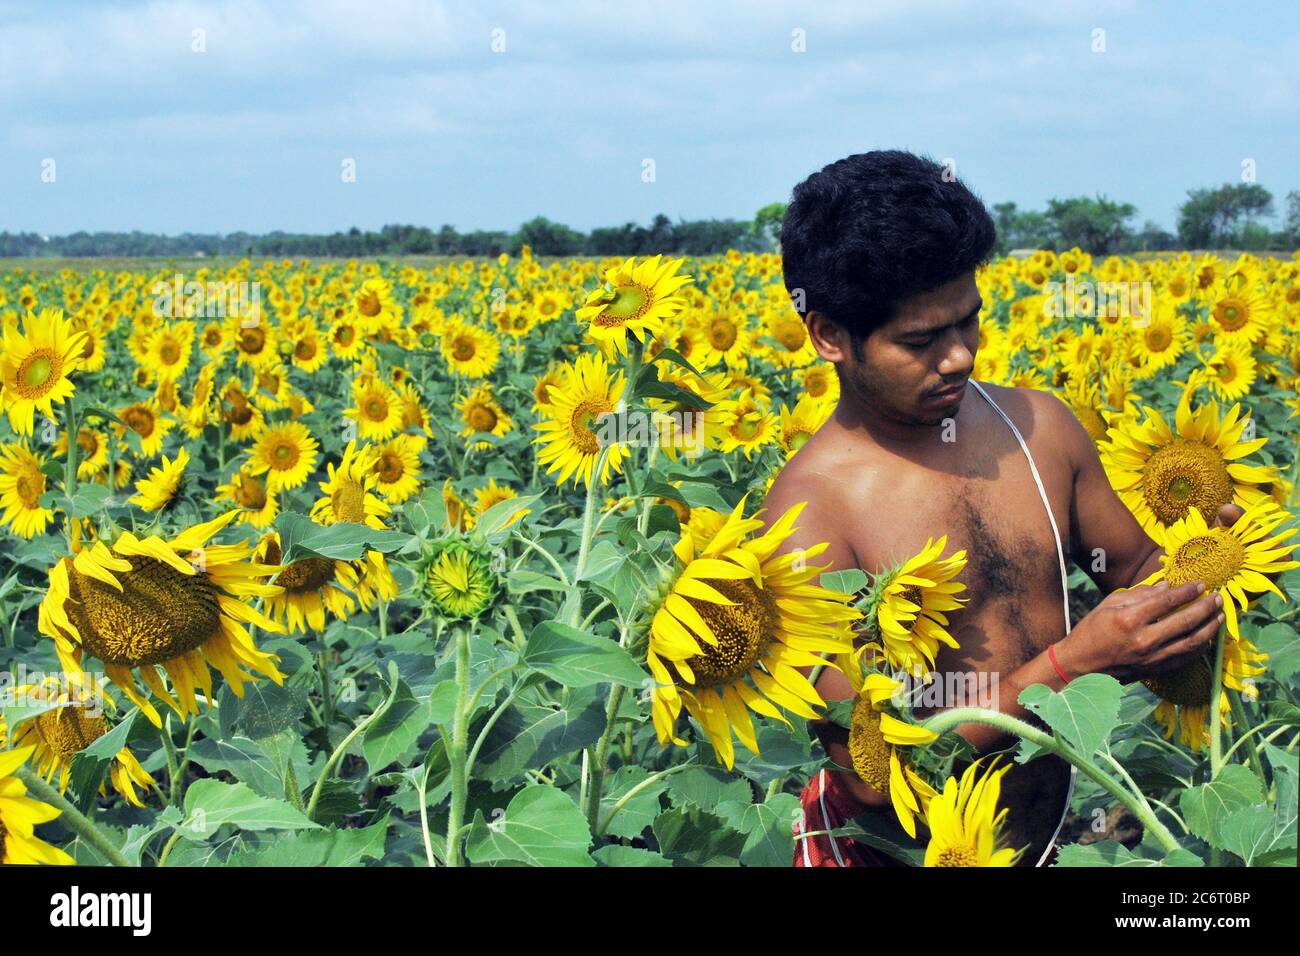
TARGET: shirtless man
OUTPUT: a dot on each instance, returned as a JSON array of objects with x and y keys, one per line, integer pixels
[{"x": 881, "y": 250}]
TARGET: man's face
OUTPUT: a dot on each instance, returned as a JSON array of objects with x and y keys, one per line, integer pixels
[{"x": 913, "y": 369}]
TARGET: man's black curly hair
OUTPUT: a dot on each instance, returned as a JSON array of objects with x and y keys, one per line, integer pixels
[{"x": 875, "y": 228}]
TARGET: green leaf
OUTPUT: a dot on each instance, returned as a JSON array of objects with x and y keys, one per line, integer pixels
[
  {"x": 694, "y": 837},
  {"x": 396, "y": 730},
  {"x": 320, "y": 848},
  {"x": 542, "y": 826},
  {"x": 269, "y": 709},
  {"x": 769, "y": 837},
  {"x": 88, "y": 766},
  {"x": 880, "y": 829},
  {"x": 211, "y": 804},
  {"x": 1205, "y": 807},
  {"x": 672, "y": 355},
  {"x": 1084, "y": 712},
  {"x": 639, "y": 812},
  {"x": 244, "y": 759},
  {"x": 532, "y": 735},
  {"x": 1102, "y": 853},
  {"x": 575, "y": 658},
  {"x": 524, "y": 581},
  {"x": 1252, "y": 832},
  {"x": 618, "y": 855},
  {"x": 1282, "y": 644},
  {"x": 706, "y": 787},
  {"x": 501, "y": 514},
  {"x": 849, "y": 581},
  {"x": 602, "y": 560},
  {"x": 300, "y": 538}
]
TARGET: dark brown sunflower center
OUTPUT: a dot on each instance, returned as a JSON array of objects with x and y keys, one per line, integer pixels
[
  {"x": 305, "y": 350},
  {"x": 1188, "y": 686},
  {"x": 743, "y": 630},
  {"x": 389, "y": 467},
  {"x": 252, "y": 341},
  {"x": 1213, "y": 558},
  {"x": 158, "y": 615},
  {"x": 368, "y": 304},
  {"x": 722, "y": 334},
  {"x": 170, "y": 353},
  {"x": 376, "y": 408},
  {"x": 1231, "y": 314},
  {"x": 463, "y": 349},
  {"x": 481, "y": 418},
  {"x": 868, "y": 747},
  {"x": 284, "y": 455},
  {"x": 69, "y": 730},
  {"x": 1158, "y": 338},
  {"x": 30, "y": 487},
  {"x": 310, "y": 574},
  {"x": 344, "y": 335},
  {"x": 1185, "y": 474},
  {"x": 790, "y": 333},
  {"x": 140, "y": 420},
  {"x": 250, "y": 493},
  {"x": 349, "y": 503}
]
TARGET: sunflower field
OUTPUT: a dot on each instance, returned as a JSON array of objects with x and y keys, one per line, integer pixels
[{"x": 465, "y": 563}]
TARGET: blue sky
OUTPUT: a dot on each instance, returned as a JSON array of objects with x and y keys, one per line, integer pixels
[{"x": 147, "y": 134}]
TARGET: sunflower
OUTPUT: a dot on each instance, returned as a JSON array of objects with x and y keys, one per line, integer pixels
[
  {"x": 1230, "y": 372},
  {"x": 1163, "y": 341},
  {"x": 22, "y": 483},
  {"x": 35, "y": 365},
  {"x": 569, "y": 442},
  {"x": 308, "y": 351},
  {"x": 349, "y": 491},
  {"x": 908, "y": 604},
  {"x": 213, "y": 340},
  {"x": 256, "y": 505},
  {"x": 542, "y": 385},
  {"x": 377, "y": 411},
  {"x": 964, "y": 821},
  {"x": 1185, "y": 693},
  {"x": 245, "y": 418},
  {"x": 92, "y": 452},
  {"x": 397, "y": 468},
  {"x": 375, "y": 305},
  {"x": 489, "y": 495},
  {"x": 876, "y": 739},
  {"x": 745, "y": 424},
  {"x": 19, "y": 815},
  {"x": 311, "y": 586},
  {"x": 482, "y": 414},
  {"x": 1240, "y": 313},
  {"x": 159, "y": 489},
  {"x": 255, "y": 343},
  {"x": 59, "y": 735},
  {"x": 1160, "y": 474},
  {"x": 167, "y": 350},
  {"x": 733, "y": 627},
  {"x": 798, "y": 426},
  {"x": 457, "y": 579},
  {"x": 1232, "y": 561},
  {"x": 793, "y": 348},
  {"x": 821, "y": 381},
  {"x": 726, "y": 340},
  {"x": 148, "y": 422},
  {"x": 636, "y": 298},
  {"x": 286, "y": 454},
  {"x": 469, "y": 350},
  {"x": 145, "y": 602},
  {"x": 346, "y": 338}
]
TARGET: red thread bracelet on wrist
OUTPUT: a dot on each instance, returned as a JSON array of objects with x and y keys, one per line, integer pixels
[{"x": 1051, "y": 656}]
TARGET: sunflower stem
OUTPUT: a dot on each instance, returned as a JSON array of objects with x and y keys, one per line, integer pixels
[
  {"x": 341, "y": 749},
  {"x": 173, "y": 764},
  {"x": 949, "y": 719},
  {"x": 1216, "y": 695},
  {"x": 70, "y": 816},
  {"x": 623, "y": 801},
  {"x": 574, "y": 600},
  {"x": 1239, "y": 715},
  {"x": 602, "y": 753},
  {"x": 70, "y": 465},
  {"x": 459, "y": 737}
]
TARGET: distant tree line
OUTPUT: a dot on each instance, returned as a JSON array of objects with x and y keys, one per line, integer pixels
[
  {"x": 1227, "y": 217},
  {"x": 544, "y": 237}
]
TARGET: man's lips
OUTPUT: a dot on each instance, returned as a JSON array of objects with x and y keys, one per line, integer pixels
[{"x": 952, "y": 391}]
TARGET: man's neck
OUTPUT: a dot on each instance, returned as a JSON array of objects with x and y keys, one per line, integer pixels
[{"x": 860, "y": 418}]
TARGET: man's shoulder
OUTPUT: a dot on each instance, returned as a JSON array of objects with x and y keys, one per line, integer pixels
[{"x": 1043, "y": 419}]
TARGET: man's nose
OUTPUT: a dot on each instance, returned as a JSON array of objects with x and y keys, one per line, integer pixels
[{"x": 958, "y": 360}]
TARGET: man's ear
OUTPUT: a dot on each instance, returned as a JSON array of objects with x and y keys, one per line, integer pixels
[{"x": 830, "y": 340}]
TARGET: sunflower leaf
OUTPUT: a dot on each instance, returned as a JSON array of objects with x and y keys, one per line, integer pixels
[
  {"x": 1207, "y": 806},
  {"x": 300, "y": 538},
  {"x": 575, "y": 658},
  {"x": 541, "y": 826},
  {"x": 503, "y": 514},
  {"x": 211, "y": 804},
  {"x": 1084, "y": 712},
  {"x": 849, "y": 581}
]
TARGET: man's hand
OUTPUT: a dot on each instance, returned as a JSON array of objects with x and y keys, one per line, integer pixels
[
  {"x": 1228, "y": 515},
  {"x": 1146, "y": 630}
]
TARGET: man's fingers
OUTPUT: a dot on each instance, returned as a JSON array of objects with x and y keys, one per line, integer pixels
[
  {"x": 1160, "y": 601},
  {"x": 1179, "y": 653},
  {"x": 1186, "y": 619},
  {"x": 1228, "y": 515}
]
